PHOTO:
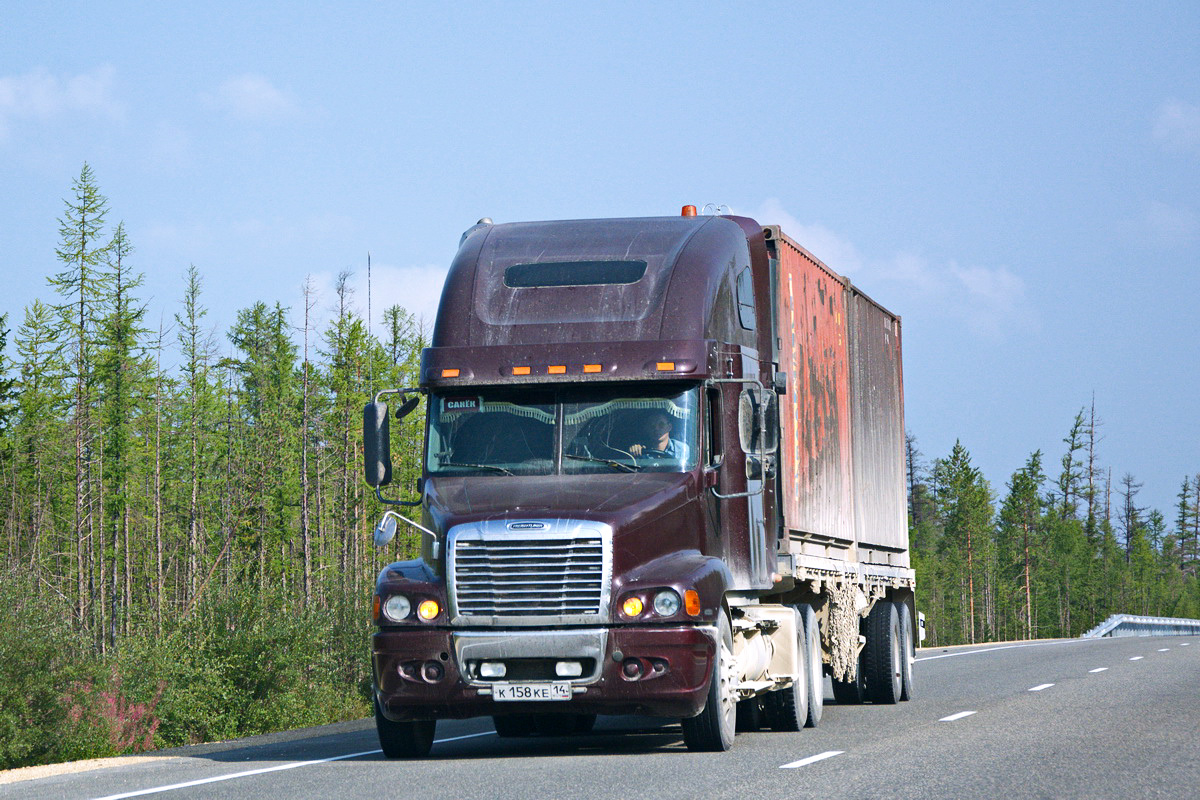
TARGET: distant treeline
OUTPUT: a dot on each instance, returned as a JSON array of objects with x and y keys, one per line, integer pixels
[
  {"x": 1054, "y": 555},
  {"x": 186, "y": 533}
]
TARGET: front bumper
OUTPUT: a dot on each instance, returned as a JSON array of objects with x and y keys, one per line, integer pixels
[{"x": 425, "y": 673}]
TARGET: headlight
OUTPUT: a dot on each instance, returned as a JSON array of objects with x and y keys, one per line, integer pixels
[
  {"x": 666, "y": 603},
  {"x": 397, "y": 608}
]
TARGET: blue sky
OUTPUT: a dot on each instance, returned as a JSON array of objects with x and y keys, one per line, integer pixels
[{"x": 1022, "y": 184}]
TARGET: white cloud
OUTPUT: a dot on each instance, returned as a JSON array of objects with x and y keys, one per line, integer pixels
[
  {"x": 988, "y": 301},
  {"x": 1163, "y": 226},
  {"x": 41, "y": 96},
  {"x": 992, "y": 299},
  {"x": 254, "y": 98},
  {"x": 1177, "y": 126}
]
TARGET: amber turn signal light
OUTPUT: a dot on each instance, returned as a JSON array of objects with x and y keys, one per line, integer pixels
[
  {"x": 428, "y": 609},
  {"x": 691, "y": 602},
  {"x": 632, "y": 607},
  {"x": 450, "y": 373}
]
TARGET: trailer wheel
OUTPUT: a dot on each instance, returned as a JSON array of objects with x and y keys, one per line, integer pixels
[
  {"x": 883, "y": 654},
  {"x": 813, "y": 665},
  {"x": 787, "y": 709},
  {"x": 852, "y": 692},
  {"x": 713, "y": 729},
  {"x": 908, "y": 651},
  {"x": 406, "y": 739}
]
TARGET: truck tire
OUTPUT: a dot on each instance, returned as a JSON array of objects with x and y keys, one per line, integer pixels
[
  {"x": 850, "y": 693},
  {"x": 406, "y": 739},
  {"x": 883, "y": 654},
  {"x": 750, "y": 715},
  {"x": 908, "y": 651},
  {"x": 713, "y": 729},
  {"x": 787, "y": 709},
  {"x": 814, "y": 666}
]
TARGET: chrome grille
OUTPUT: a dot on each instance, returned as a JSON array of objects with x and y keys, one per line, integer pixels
[{"x": 532, "y": 578}]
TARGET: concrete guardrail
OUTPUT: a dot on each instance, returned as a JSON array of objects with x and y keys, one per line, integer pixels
[{"x": 1132, "y": 625}]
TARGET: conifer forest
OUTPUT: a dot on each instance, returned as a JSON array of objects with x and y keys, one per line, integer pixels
[{"x": 186, "y": 534}]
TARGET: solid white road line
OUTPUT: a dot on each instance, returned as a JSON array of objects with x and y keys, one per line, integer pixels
[
  {"x": 264, "y": 770},
  {"x": 1137, "y": 658},
  {"x": 1098, "y": 669},
  {"x": 804, "y": 762},
  {"x": 959, "y": 715},
  {"x": 232, "y": 775},
  {"x": 1039, "y": 687},
  {"x": 1002, "y": 647}
]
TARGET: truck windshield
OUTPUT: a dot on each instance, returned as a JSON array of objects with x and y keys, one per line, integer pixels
[{"x": 596, "y": 430}]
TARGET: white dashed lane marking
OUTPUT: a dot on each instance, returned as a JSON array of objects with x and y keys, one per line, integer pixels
[
  {"x": 1137, "y": 658},
  {"x": 1098, "y": 669},
  {"x": 804, "y": 762},
  {"x": 957, "y": 716},
  {"x": 1039, "y": 687}
]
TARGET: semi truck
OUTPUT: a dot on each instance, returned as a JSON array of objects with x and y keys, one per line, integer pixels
[{"x": 663, "y": 474}]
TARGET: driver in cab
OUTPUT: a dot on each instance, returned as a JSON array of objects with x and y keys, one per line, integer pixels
[{"x": 654, "y": 438}]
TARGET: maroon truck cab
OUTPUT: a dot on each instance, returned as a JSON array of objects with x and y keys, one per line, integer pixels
[{"x": 574, "y": 554}]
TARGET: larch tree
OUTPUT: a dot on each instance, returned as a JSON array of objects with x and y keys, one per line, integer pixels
[{"x": 81, "y": 286}]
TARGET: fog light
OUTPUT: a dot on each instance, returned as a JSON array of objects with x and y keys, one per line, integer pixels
[
  {"x": 568, "y": 669},
  {"x": 432, "y": 671},
  {"x": 428, "y": 609},
  {"x": 632, "y": 669},
  {"x": 492, "y": 669}
]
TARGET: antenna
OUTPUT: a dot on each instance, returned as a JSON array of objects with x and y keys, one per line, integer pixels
[{"x": 370, "y": 355}]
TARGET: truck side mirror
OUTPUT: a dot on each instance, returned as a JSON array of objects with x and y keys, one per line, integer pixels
[
  {"x": 377, "y": 445},
  {"x": 406, "y": 408}
]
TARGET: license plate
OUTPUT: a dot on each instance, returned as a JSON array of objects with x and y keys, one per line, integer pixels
[{"x": 531, "y": 691}]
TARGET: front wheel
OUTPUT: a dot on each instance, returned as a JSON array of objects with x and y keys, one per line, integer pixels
[
  {"x": 406, "y": 739},
  {"x": 713, "y": 729},
  {"x": 815, "y": 666}
]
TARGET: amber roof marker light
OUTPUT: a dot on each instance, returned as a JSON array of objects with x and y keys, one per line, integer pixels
[{"x": 688, "y": 211}]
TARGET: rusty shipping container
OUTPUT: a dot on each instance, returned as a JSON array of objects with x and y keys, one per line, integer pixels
[{"x": 842, "y": 419}]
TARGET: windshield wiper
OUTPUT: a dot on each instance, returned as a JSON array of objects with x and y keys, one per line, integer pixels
[
  {"x": 476, "y": 466},
  {"x": 614, "y": 464}
]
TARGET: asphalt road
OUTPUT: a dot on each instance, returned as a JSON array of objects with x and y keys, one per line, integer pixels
[{"x": 1108, "y": 718}]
